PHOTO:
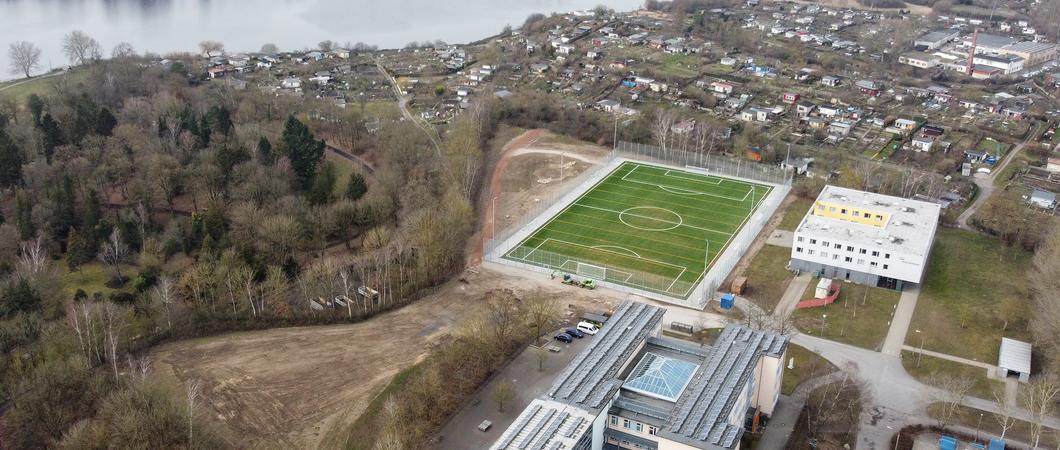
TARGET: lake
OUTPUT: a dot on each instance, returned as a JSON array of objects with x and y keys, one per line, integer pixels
[{"x": 162, "y": 26}]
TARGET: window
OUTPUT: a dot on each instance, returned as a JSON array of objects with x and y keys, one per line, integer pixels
[
  {"x": 875, "y": 253},
  {"x": 652, "y": 430},
  {"x": 873, "y": 264},
  {"x": 861, "y": 261},
  {"x": 831, "y": 209},
  {"x": 838, "y": 247},
  {"x": 824, "y": 254},
  {"x": 824, "y": 243},
  {"x": 848, "y": 259},
  {"x": 820, "y": 207},
  {"x": 863, "y": 251},
  {"x": 809, "y": 252},
  {"x": 879, "y": 217},
  {"x": 844, "y": 211},
  {"x": 885, "y": 267},
  {"x": 813, "y": 241},
  {"x": 867, "y": 215},
  {"x": 638, "y": 426},
  {"x": 835, "y": 256},
  {"x": 614, "y": 420},
  {"x": 625, "y": 423},
  {"x": 850, "y": 248},
  {"x": 798, "y": 249},
  {"x": 887, "y": 256},
  {"x": 800, "y": 239}
]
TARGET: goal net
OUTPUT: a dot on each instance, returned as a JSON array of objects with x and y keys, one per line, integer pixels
[{"x": 588, "y": 270}]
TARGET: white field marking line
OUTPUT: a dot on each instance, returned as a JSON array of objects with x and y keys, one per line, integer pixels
[
  {"x": 627, "y": 274},
  {"x": 674, "y": 191},
  {"x": 677, "y": 174},
  {"x": 725, "y": 247},
  {"x": 615, "y": 247},
  {"x": 652, "y": 218},
  {"x": 710, "y": 179},
  {"x": 565, "y": 208},
  {"x": 675, "y": 266},
  {"x": 671, "y": 286},
  {"x": 661, "y": 186},
  {"x": 710, "y": 215},
  {"x": 680, "y": 220},
  {"x": 534, "y": 250},
  {"x": 663, "y": 243}
]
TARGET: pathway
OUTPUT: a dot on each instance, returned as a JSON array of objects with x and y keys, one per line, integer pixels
[
  {"x": 986, "y": 183},
  {"x": 956, "y": 359},
  {"x": 792, "y": 295},
  {"x": 903, "y": 315},
  {"x": 29, "y": 80},
  {"x": 403, "y": 101}
]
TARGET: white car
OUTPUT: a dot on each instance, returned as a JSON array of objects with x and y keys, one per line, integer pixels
[{"x": 588, "y": 328}]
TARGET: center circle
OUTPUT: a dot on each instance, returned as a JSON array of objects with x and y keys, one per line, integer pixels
[{"x": 650, "y": 218}]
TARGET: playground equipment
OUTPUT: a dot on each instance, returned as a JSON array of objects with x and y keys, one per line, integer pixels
[{"x": 826, "y": 294}]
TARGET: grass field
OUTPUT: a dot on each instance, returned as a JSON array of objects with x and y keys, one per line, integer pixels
[
  {"x": 860, "y": 316},
  {"x": 645, "y": 226}
]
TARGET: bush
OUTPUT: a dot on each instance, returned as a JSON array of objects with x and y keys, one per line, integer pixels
[
  {"x": 146, "y": 279},
  {"x": 123, "y": 298},
  {"x": 116, "y": 282}
]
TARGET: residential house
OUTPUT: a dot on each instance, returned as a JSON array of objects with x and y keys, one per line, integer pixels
[
  {"x": 804, "y": 108},
  {"x": 291, "y": 83},
  {"x": 905, "y": 125},
  {"x": 607, "y": 105},
  {"x": 790, "y": 98},
  {"x": 922, "y": 143},
  {"x": 831, "y": 81},
  {"x": 868, "y": 87},
  {"x": 828, "y": 111},
  {"x": 840, "y": 128}
]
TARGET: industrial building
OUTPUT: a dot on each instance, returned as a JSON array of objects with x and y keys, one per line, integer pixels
[
  {"x": 633, "y": 389},
  {"x": 935, "y": 39},
  {"x": 866, "y": 238}
]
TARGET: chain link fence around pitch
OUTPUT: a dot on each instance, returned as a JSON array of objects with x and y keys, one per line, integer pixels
[
  {"x": 625, "y": 276},
  {"x": 506, "y": 241}
]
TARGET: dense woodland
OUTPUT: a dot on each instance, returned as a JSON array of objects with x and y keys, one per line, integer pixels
[{"x": 208, "y": 210}]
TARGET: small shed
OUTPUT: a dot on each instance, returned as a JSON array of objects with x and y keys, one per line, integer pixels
[
  {"x": 1014, "y": 359},
  {"x": 738, "y": 285}
]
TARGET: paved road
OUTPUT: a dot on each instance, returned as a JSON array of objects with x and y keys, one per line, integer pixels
[
  {"x": 903, "y": 315},
  {"x": 792, "y": 295}
]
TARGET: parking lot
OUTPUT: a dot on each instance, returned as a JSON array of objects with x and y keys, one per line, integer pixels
[{"x": 462, "y": 432}]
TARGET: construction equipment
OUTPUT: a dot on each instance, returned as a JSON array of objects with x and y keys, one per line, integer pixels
[{"x": 575, "y": 280}]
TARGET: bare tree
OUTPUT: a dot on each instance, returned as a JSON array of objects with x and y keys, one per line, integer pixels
[
  {"x": 165, "y": 293},
  {"x": 949, "y": 393},
  {"x": 269, "y": 49},
  {"x": 347, "y": 288},
  {"x": 326, "y": 45},
  {"x": 842, "y": 397},
  {"x": 540, "y": 310},
  {"x": 503, "y": 392},
  {"x": 1044, "y": 281},
  {"x": 140, "y": 366},
  {"x": 192, "y": 395},
  {"x": 541, "y": 353},
  {"x": 81, "y": 48},
  {"x": 114, "y": 252},
  {"x": 661, "y": 128},
  {"x": 33, "y": 258},
  {"x": 1039, "y": 397},
  {"x": 114, "y": 318},
  {"x": 208, "y": 48},
  {"x": 123, "y": 50},
  {"x": 1004, "y": 412},
  {"x": 24, "y": 56}
]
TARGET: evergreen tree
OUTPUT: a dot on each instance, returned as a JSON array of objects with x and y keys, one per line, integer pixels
[
  {"x": 77, "y": 251},
  {"x": 356, "y": 187},
  {"x": 204, "y": 131},
  {"x": 64, "y": 212},
  {"x": 163, "y": 127},
  {"x": 24, "y": 217},
  {"x": 304, "y": 150},
  {"x": 36, "y": 108},
  {"x": 53, "y": 136},
  {"x": 265, "y": 155},
  {"x": 18, "y": 296},
  {"x": 320, "y": 192},
  {"x": 105, "y": 122},
  {"x": 10, "y": 162},
  {"x": 219, "y": 119},
  {"x": 228, "y": 157}
]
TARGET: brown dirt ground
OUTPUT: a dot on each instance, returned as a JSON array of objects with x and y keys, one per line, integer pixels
[{"x": 286, "y": 388}]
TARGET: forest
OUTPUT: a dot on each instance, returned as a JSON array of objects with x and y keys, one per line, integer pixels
[{"x": 143, "y": 205}]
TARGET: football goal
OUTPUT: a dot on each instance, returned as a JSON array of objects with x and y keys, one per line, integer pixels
[{"x": 588, "y": 270}]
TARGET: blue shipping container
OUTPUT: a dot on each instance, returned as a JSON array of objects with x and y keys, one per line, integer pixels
[
  {"x": 947, "y": 443},
  {"x": 997, "y": 444}
]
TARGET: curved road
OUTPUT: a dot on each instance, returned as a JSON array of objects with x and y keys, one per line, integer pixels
[{"x": 986, "y": 183}]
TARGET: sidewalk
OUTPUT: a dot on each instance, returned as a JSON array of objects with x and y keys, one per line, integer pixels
[
  {"x": 791, "y": 296},
  {"x": 903, "y": 315},
  {"x": 956, "y": 359}
]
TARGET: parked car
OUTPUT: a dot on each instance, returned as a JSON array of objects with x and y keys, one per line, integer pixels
[
  {"x": 564, "y": 337},
  {"x": 574, "y": 333},
  {"x": 587, "y": 328}
]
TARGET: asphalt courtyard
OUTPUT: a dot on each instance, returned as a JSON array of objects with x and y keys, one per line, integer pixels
[{"x": 461, "y": 433}]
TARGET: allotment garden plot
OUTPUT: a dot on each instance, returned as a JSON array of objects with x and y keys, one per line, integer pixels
[{"x": 644, "y": 226}]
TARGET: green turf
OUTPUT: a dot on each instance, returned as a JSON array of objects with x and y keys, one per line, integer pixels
[{"x": 653, "y": 228}]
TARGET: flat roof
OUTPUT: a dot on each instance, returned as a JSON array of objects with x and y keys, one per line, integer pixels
[
  {"x": 1014, "y": 355},
  {"x": 936, "y": 36},
  {"x": 910, "y": 229},
  {"x": 545, "y": 424},
  {"x": 1030, "y": 47},
  {"x": 987, "y": 40}
]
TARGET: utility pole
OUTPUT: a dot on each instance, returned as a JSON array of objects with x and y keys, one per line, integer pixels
[{"x": 920, "y": 354}]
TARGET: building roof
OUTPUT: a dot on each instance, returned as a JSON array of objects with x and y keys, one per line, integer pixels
[
  {"x": 936, "y": 36},
  {"x": 545, "y": 424},
  {"x": 1014, "y": 355},
  {"x": 909, "y": 230},
  {"x": 1030, "y": 47},
  {"x": 590, "y": 378},
  {"x": 993, "y": 41},
  {"x": 660, "y": 376}
]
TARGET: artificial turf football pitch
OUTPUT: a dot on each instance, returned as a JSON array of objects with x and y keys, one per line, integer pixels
[{"x": 645, "y": 226}]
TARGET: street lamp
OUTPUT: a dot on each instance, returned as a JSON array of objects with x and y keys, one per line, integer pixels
[
  {"x": 977, "y": 427},
  {"x": 824, "y": 322},
  {"x": 920, "y": 354}
]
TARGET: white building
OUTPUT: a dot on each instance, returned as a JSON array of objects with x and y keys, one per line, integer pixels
[
  {"x": 867, "y": 238},
  {"x": 1010, "y": 64},
  {"x": 632, "y": 389},
  {"x": 919, "y": 59},
  {"x": 936, "y": 39}
]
